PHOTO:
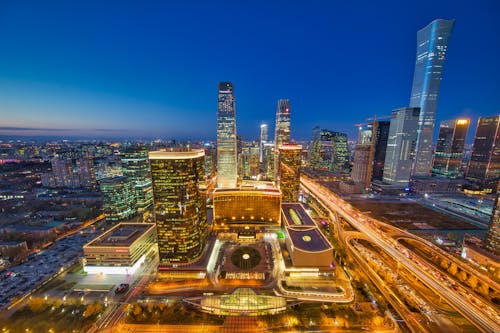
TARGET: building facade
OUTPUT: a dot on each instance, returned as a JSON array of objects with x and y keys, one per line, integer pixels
[
  {"x": 282, "y": 129},
  {"x": 289, "y": 172},
  {"x": 401, "y": 145},
  {"x": 493, "y": 235},
  {"x": 118, "y": 198},
  {"x": 381, "y": 132},
  {"x": 179, "y": 204},
  {"x": 227, "y": 157},
  {"x": 264, "y": 137},
  {"x": 484, "y": 163},
  {"x": 135, "y": 166},
  {"x": 450, "y": 148},
  {"x": 432, "y": 45}
]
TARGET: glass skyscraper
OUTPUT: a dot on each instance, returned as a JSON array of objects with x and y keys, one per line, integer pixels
[
  {"x": 227, "y": 157},
  {"x": 493, "y": 235},
  {"x": 282, "y": 129},
  {"x": 135, "y": 166},
  {"x": 118, "y": 198},
  {"x": 179, "y": 204},
  {"x": 401, "y": 146},
  {"x": 432, "y": 44},
  {"x": 450, "y": 148},
  {"x": 289, "y": 172}
]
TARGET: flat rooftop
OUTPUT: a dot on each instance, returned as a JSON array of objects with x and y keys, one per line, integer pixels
[
  {"x": 310, "y": 239},
  {"x": 123, "y": 234},
  {"x": 296, "y": 215}
]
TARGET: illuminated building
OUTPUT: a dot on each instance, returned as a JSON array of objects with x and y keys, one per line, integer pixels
[
  {"x": 306, "y": 244},
  {"x": 380, "y": 148},
  {"x": 263, "y": 139},
  {"x": 268, "y": 161},
  {"x": 401, "y": 146},
  {"x": 432, "y": 44},
  {"x": 484, "y": 164},
  {"x": 118, "y": 198},
  {"x": 179, "y": 204},
  {"x": 68, "y": 172},
  {"x": 249, "y": 162},
  {"x": 246, "y": 206},
  {"x": 227, "y": 159},
  {"x": 135, "y": 166},
  {"x": 363, "y": 155},
  {"x": 329, "y": 151},
  {"x": 450, "y": 148},
  {"x": 282, "y": 129},
  {"x": 86, "y": 173},
  {"x": 289, "y": 171},
  {"x": 121, "y": 249},
  {"x": 493, "y": 235}
]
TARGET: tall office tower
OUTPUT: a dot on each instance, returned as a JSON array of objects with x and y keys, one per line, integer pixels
[
  {"x": 86, "y": 173},
  {"x": 282, "y": 129},
  {"x": 135, "y": 166},
  {"x": 314, "y": 154},
  {"x": 179, "y": 204},
  {"x": 268, "y": 162},
  {"x": 450, "y": 148},
  {"x": 210, "y": 159},
  {"x": 381, "y": 132},
  {"x": 263, "y": 139},
  {"x": 363, "y": 155},
  {"x": 484, "y": 164},
  {"x": 401, "y": 146},
  {"x": 493, "y": 234},
  {"x": 340, "y": 149},
  {"x": 289, "y": 172},
  {"x": 432, "y": 44},
  {"x": 118, "y": 198},
  {"x": 227, "y": 157},
  {"x": 249, "y": 162}
]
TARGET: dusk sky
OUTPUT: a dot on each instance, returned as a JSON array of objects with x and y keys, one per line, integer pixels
[{"x": 152, "y": 68}]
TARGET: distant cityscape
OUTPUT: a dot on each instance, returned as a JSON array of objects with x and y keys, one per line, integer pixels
[{"x": 388, "y": 231}]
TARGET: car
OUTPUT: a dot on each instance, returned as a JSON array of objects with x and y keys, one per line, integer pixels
[{"x": 122, "y": 288}]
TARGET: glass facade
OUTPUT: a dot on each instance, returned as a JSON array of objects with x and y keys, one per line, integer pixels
[
  {"x": 432, "y": 44},
  {"x": 179, "y": 204},
  {"x": 484, "y": 164},
  {"x": 401, "y": 145},
  {"x": 282, "y": 129},
  {"x": 380, "y": 148},
  {"x": 289, "y": 172},
  {"x": 450, "y": 148},
  {"x": 227, "y": 159},
  {"x": 246, "y": 207},
  {"x": 135, "y": 166},
  {"x": 118, "y": 198},
  {"x": 493, "y": 235}
]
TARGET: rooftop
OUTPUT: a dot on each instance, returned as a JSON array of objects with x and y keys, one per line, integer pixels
[
  {"x": 123, "y": 234},
  {"x": 296, "y": 215},
  {"x": 174, "y": 154},
  {"x": 308, "y": 239}
]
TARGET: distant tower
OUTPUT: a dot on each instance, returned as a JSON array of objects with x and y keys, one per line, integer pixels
[
  {"x": 401, "y": 146},
  {"x": 135, "y": 166},
  {"x": 282, "y": 129},
  {"x": 289, "y": 172},
  {"x": 340, "y": 149},
  {"x": 118, "y": 198},
  {"x": 450, "y": 148},
  {"x": 484, "y": 164},
  {"x": 363, "y": 156},
  {"x": 179, "y": 204},
  {"x": 432, "y": 44},
  {"x": 263, "y": 139},
  {"x": 227, "y": 158},
  {"x": 381, "y": 133}
]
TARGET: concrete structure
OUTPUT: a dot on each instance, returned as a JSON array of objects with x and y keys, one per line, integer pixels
[
  {"x": 432, "y": 44},
  {"x": 246, "y": 206},
  {"x": 450, "y": 148},
  {"x": 484, "y": 164},
  {"x": 289, "y": 171},
  {"x": 120, "y": 250},
  {"x": 227, "y": 159},
  {"x": 401, "y": 146},
  {"x": 118, "y": 198},
  {"x": 179, "y": 204}
]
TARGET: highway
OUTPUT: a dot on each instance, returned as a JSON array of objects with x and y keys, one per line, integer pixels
[{"x": 365, "y": 225}]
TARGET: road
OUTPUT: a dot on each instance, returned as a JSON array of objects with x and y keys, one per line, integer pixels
[{"x": 476, "y": 314}]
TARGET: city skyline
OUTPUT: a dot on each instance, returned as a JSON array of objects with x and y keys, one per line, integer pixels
[{"x": 78, "y": 85}]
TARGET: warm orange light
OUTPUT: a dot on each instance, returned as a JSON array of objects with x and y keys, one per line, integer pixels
[{"x": 462, "y": 121}]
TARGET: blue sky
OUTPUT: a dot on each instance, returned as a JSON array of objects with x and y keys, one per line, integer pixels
[{"x": 151, "y": 68}]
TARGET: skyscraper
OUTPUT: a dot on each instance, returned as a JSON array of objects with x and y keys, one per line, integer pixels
[
  {"x": 484, "y": 164},
  {"x": 401, "y": 146},
  {"x": 118, "y": 198},
  {"x": 450, "y": 148},
  {"x": 263, "y": 139},
  {"x": 289, "y": 172},
  {"x": 179, "y": 204},
  {"x": 432, "y": 44},
  {"x": 282, "y": 129},
  {"x": 381, "y": 132},
  {"x": 363, "y": 155},
  {"x": 493, "y": 234},
  {"x": 227, "y": 158},
  {"x": 340, "y": 149},
  {"x": 135, "y": 166}
]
